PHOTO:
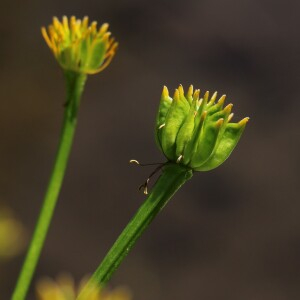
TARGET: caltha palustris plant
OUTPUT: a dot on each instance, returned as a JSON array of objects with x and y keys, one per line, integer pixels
[{"x": 195, "y": 134}]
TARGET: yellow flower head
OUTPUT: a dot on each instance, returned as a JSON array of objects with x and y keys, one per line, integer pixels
[
  {"x": 79, "y": 46},
  {"x": 64, "y": 289}
]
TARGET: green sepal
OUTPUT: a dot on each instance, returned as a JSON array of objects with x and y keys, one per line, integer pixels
[
  {"x": 164, "y": 106},
  {"x": 223, "y": 114},
  {"x": 85, "y": 45},
  {"x": 207, "y": 142},
  {"x": 229, "y": 140},
  {"x": 174, "y": 119},
  {"x": 201, "y": 104},
  {"x": 96, "y": 56},
  {"x": 191, "y": 146},
  {"x": 186, "y": 130},
  {"x": 67, "y": 56}
]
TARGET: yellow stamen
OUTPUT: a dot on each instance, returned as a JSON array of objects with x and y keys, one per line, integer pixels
[
  {"x": 106, "y": 36},
  {"x": 111, "y": 47},
  {"x": 176, "y": 95},
  {"x": 73, "y": 27},
  {"x": 52, "y": 32},
  {"x": 94, "y": 27},
  {"x": 196, "y": 95},
  {"x": 103, "y": 29},
  {"x": 213, "y": 98},
  {"x": 230, "y": 117},
  {"x": 56, "y": 23},
  {"x": 165, "y": 92},
  {"x": 180, "y": 89},
  {"x": 190, "y": 91},
  {"x": 46, "y": 37},
  {"x": 228, "y": 108},
  {"x": 199, "y": 102},
  {"x": 220, "y": 122},
  {"x": 85, "y": 23},
  {"x": 244, "y": 121},
  {"x": 206, "y": 95},
  {"x": 65, "y": 23},
  {"x": 222, "y": 100}
]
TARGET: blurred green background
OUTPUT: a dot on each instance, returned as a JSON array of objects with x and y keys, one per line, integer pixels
[{"x": 229, "y": 234}]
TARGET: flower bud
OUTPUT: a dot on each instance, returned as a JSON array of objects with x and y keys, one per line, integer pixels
[
  {"x": 196, "y": 132},
  {"x": 78, "y": 46}
]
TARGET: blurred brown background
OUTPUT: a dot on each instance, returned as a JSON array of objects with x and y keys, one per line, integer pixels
[{"x": 229, "y": 234}]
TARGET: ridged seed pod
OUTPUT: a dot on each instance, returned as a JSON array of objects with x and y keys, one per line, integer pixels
[{"x": 196, "y": 132}]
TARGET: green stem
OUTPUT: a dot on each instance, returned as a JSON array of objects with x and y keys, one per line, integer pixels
[
  {"x": 75, "y": 84},
  {"x": 172, "y": 178}
]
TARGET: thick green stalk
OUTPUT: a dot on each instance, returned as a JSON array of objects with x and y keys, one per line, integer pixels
[
  {"x": 172, "y": 178},
  {"x": 75, "y": 84}
]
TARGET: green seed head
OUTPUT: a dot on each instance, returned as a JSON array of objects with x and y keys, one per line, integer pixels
[{"x": 196, "y": 132}]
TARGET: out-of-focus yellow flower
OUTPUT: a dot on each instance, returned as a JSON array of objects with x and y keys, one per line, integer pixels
[
  {"x": 64, "y": 289},
  {"x": 79, "y": 46},
  {"x": 11, "y": 234}
]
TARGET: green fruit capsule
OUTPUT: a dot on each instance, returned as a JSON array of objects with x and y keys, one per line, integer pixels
[{"x": 194, "y": 132}]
